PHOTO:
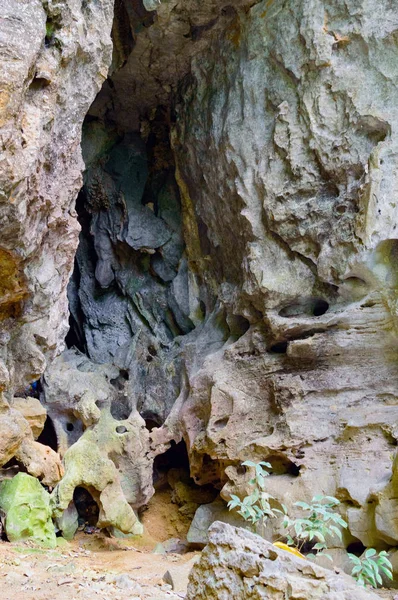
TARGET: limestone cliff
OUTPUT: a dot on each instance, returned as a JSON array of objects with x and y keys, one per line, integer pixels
[{"x": 235, "y": 284}]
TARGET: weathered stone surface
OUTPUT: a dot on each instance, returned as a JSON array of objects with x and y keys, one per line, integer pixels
[
  {"x": 17, "y": 441},
  {"x": 33, "y": 411},
  {"x": 54, "y": 57},
  {"x": 40, "y": 461},
  {"x": 177, "y": 576},
  {"x": 68, "y": 522},
  {"x": 97, "y": 424},
  {"x": 240, "y": 565},
  {"x": 206, "y": 515},
  {"x": 13, "y": 429},
  {"x": 27, "y": 507},
  {"x": 288, "y": 173}
]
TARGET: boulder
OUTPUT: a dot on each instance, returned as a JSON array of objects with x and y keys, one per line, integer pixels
[
  {"x": 27, "y": 508},
  {"x": 205, "y": 517},
  {"x": 33, "y": 411},
  {"x": 177, "y": 575},
  {"x": 240, "y": 565}
]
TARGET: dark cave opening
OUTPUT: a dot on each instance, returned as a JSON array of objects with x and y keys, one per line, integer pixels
[
  {"x": 86, "y": 507},
  {"x": 282, "y": 465},
  {"x": 357, "y": 548},
  {"x": 310, "y": 307},
  {"x": 279, "y": 348},
  {"x": 176, "y": 457},
  {"x": 48, "y": 436}
]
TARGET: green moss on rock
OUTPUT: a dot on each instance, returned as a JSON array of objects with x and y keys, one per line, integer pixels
[{"x": 27, "y": 507}]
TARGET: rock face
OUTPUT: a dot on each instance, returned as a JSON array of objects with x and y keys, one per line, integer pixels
[
  {"x": 96, "y": 426},
  {"x": 235, "y": 284},
  {"x": 286, "y": 158},
  {"x": 240, "y": 565},
  {"x": 53, "y": 58}
]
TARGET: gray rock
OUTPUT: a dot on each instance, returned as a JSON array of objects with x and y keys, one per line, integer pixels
[
  {"x": 178, "y": 575},
  {"x": 68, "y": 522},
  {"x": 240, "y": 565},
  {"x": 205, "y": 517},
  {"x": 46, "y": 93}
]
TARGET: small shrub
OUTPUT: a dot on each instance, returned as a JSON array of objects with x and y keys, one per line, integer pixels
[
  {"x": 368, "y": 568},
  {"x": 319, "y": 524},
  {"x": 256, "y": 507}
]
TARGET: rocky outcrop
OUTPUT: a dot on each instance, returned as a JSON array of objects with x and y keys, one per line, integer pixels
[
  {"x": 240, "y": 565},
  {"x": 26, "y": 506},
  {"x": 285, "y": 141},
  {"x": 54, "y": 57},
  {"x": 235, "y": 281},
  {"x": 96, "y": 425}
]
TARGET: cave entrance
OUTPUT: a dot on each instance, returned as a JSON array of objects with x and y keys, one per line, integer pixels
[
  {"x": 48, "y": 436},
  {"x": 176, "y": 457},
  {"x": 86, "y": 507}
]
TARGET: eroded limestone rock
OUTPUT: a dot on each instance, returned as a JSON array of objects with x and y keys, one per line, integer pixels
[
  {"x": 102, "y": 437},
  {"x": 289, "y": 178},
  {"x": 33, "y": 411},
  {"x": 54, "y": 57},
  {"x": 238, "y": 564},
  {"x": 27, "y": 507}
]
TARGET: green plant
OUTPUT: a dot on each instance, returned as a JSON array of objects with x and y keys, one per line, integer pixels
[
  {"x": 256, "y": 506},
  {"x": 368, "y": 568},
  {"x": 320, "y": 523}
]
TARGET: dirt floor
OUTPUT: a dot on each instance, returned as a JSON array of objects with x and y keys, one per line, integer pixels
[{"x": 96, "y": 566}]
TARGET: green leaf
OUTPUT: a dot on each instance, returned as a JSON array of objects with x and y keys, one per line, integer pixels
[
  {"x": 386, "y": 572},
  {"x": 370, "y": 552},
  {"x": 319, "y": 546},
  {"x": 249, "y": 463}
]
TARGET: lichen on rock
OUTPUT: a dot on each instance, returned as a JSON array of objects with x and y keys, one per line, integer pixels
[{"x": 26, "y": 505}]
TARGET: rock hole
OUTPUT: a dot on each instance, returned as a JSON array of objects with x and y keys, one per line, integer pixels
[
  {"x": 320, "y": 308},
  {"x": 151, "y": 424},
  {"x": 38, "y": 84},
  {"x": 355, "y": 281},
  {"x": 121, "y": 429},
  {"x": 279, "y": 348},
  {"x": 152, "y": 352},
  {"x": 120, "y": 381},
  {"x": 86, "y": 507},
  {"x": 238, "y": 325},
  {"x": 282, "y": 465},
  {"x": 310, "y": 307},
  {"x": 48, "y": 436},
  {"x": 220, "y": 423},
  {"x": 176, "y": 457},
  {"x": 241, "y": 469},
  {"x": 356, "y": 548},
  {"x": 120, "y": 408}
]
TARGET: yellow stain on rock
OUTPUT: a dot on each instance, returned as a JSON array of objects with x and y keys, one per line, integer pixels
[
  {"x": 12, "y": 285},
  {"x": 287, "y": 548}
]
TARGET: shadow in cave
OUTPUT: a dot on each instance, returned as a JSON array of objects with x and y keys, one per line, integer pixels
[
  {"x": 176, "y": 457},
  {"x": 86, "y": 507},
  {"x": 48, "y": 436}
]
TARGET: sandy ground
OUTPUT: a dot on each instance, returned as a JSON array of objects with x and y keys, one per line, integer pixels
[
  {"x": 89, "y": 567},
  {"x": 96, "y": 566}
]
